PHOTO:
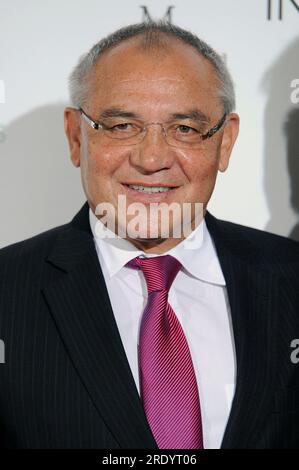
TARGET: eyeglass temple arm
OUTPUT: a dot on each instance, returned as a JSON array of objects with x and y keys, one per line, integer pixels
[
  {"x": 215, "y": 129},
  {"x": 92, "y": 123}
]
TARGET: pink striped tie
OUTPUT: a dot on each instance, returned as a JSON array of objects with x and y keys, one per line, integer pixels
[{"x": 167, "y": 379}]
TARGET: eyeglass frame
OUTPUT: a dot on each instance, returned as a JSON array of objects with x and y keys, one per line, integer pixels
[{"x": 98, "y": 125}]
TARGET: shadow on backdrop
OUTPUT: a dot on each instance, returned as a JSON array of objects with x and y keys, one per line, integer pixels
[
  {"x": 281, "y": 172},
  {"x": 39, "y": 186},
  {"x": 292, "y": 133}
]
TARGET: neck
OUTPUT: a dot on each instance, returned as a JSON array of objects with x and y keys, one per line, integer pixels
[
  {"x": 155, "y": 246},
  {"x": 160, "y": 245}
]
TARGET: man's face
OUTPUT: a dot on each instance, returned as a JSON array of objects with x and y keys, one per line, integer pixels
[{"x": 152, "y": 86}]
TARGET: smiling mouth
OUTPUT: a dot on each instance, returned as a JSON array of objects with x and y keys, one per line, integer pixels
[{"x": 151, "y": 189}]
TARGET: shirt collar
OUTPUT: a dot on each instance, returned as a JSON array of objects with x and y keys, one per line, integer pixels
[{"x": 196, "y": 253}]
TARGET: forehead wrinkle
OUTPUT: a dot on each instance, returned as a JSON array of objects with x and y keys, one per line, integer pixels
[{"x": 156, "y": 79}]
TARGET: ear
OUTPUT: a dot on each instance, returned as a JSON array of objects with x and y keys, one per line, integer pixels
[
  {"x": 73, "y": 133},
  {"x": 230, "y": 134}
]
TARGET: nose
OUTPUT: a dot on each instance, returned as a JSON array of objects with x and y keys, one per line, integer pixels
[{"x": 153, "y": 153}]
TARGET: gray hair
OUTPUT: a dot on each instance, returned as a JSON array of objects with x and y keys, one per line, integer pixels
[{"x": 151, "y": 33}]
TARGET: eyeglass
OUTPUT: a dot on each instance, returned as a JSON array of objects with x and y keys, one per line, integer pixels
[{"x": 177, "y": 134}]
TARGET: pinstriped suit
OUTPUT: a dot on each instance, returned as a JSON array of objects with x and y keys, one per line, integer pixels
[{"x": 66, "y": 382}]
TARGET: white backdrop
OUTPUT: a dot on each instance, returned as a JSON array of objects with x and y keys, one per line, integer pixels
[{"x": 41, "y": 41}]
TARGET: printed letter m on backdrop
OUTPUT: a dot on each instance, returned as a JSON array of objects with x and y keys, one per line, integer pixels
[{"x": 147, "y": 17}]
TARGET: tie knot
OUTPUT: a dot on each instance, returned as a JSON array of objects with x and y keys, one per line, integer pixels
[{"x": 159, "y": 272}]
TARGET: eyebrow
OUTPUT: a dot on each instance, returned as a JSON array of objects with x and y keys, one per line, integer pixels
[{"x": 194, "y": 114}]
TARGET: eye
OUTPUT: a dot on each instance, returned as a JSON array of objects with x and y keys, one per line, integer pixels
[
  {"x": 183, "y": 129},
  {"x": 122, "y": 127}
]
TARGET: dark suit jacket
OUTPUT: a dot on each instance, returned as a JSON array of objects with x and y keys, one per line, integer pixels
[{"x": 66, "y": 382}]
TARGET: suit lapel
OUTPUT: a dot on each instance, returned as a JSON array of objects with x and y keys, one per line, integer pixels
[
  {"x": 79, "y": 302},
  {"x": 253, "y": 297}
]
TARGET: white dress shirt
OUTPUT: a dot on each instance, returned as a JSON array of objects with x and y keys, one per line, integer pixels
[{"x": 198, "y": 296}]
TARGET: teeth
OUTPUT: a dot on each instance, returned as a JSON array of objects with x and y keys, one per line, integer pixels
[{"x": 150, "y": 189}]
